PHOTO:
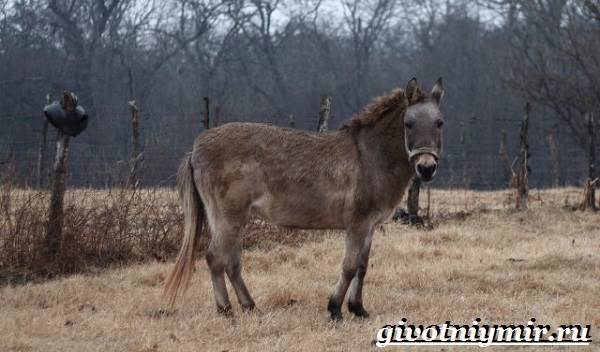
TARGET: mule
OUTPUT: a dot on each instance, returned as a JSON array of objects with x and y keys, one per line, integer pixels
[{"x": 350, "y": 179}]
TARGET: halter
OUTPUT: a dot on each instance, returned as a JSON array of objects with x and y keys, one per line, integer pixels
[{"x": 425, "y": 150}]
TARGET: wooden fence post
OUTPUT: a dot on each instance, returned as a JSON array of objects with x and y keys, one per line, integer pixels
[
  {"x": 592, "y": 181},
  {"x": 464, "y": 142},
  {"x": 217, "y": 116},
  {"x": 41, "y": 163},
  {"x": 554, "y": 155},
  {"x": 55, "y": 221},
  {"x": 291, "y": 121},
  {"x": 206, "y": 119},
  {"x": 523, "y": 187},
  {"x": 412, "y": 203},
  {"x": 503, "y": 154},
  {"x": 136, "y": 154},
  {"x": 324, "y": 112}
]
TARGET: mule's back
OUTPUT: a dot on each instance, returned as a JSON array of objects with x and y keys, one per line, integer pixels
[{"x": 289, "y": 177}]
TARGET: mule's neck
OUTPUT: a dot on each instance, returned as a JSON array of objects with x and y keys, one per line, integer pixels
[
  {"x": 385, "y": 141},
  {"x": 385, "y": 169}
]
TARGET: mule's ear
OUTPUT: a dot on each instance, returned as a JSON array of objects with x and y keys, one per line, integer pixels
[
  {"x": 412, "y": 91},
  {"x": 438, "y": 90}
]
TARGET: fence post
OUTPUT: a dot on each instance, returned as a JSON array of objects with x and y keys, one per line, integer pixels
[
  {"x": 217, "y": 116},
  {"x": 412, "y": 203},
  {"x": 324, "y": 112},
  {"x": 136, "y": 154},
  {"x": 591, "y": 200},
  {"x": 291, "y": 121},
  {"x": 206, "y": 119},
  {"x": 503, "y": 154},
  {"x": 464, "y": 141},
  {"x": 55, "y": 221},
  {"x": 554, "y": 155},
  {"x": 523, "y": 187},
  {"x": 41, "y": 163}
]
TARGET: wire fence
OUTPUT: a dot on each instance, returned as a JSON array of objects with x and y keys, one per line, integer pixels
[{"x": 470, "y": 160}]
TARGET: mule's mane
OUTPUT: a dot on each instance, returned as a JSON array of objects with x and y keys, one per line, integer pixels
[{"x": 376, "y": 109}]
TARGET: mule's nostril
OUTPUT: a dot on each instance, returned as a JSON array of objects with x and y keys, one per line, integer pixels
[{"x": 426, "y": 170}]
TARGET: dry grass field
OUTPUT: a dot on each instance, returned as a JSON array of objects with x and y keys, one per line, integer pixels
[{"x": 481, "y": 259}]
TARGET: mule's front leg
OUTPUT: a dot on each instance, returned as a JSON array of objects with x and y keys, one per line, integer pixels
[
  {"x": 355, "y": 243},
  {"x": 355, "y": 301}
]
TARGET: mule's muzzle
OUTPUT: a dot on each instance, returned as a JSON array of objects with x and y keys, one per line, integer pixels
[{"x": 426, "y": 166}]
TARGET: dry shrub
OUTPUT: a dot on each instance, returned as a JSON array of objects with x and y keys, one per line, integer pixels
[
  {"x": 104, "y": 227},
  {"x": 100, "y": 228},
  {"x": 22, "y": 222}
]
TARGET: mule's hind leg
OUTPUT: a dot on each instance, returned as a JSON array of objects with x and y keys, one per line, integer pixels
[
  {"x": 216, "y": 263},
  {"x": 355, "y": 302},
  {"x": 355, "y": 244},
  {"x": 224, "y": 256},
  {"x": 233, "y": 268}
]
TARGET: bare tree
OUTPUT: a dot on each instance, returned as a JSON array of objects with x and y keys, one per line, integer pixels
[
  {"x": 366, "y": 21},
  {"x": 554, "y": 59},
  {"x": 82, "y": 40}
]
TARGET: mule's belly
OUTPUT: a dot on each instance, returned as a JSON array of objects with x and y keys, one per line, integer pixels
[{"x": 300, "y": 209}]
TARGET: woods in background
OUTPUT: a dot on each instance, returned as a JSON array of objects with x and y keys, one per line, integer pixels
[{"x": 271, "y": 61}]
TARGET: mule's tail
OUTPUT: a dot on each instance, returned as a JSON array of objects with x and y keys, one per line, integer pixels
[{"x": 194, "y": 221}]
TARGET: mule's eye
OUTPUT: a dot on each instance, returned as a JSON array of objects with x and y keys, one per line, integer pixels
[
  {"x": 439, "y": 123},
  {"x": 409, "y": 124}
]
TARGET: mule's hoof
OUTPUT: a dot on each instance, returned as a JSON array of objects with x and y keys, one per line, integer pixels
[
  {"x": 358, "y": 310},
  {"x": 225, "y": 310},
  {"x": 336, "y": 316},
  {"x": 335, "y": 311},
  {"x": 416, "y": 220},
  {"x": 248, "y": 307}
]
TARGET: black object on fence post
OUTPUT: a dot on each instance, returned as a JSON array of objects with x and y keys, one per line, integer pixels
[
  {"x": 41, "y": 163},
  {"x": 70, "y": 119},
  {"x": 206, "y": 119},
  {"x": 324, "y": 112},
  {"x": 523, "y": 178},
  {"x": 136, "y": 153}
]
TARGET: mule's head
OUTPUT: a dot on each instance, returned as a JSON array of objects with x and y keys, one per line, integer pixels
[{"x": 423, "y": 123}]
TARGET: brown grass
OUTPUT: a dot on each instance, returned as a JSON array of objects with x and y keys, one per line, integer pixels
[{"x": 482, "y": 259}]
